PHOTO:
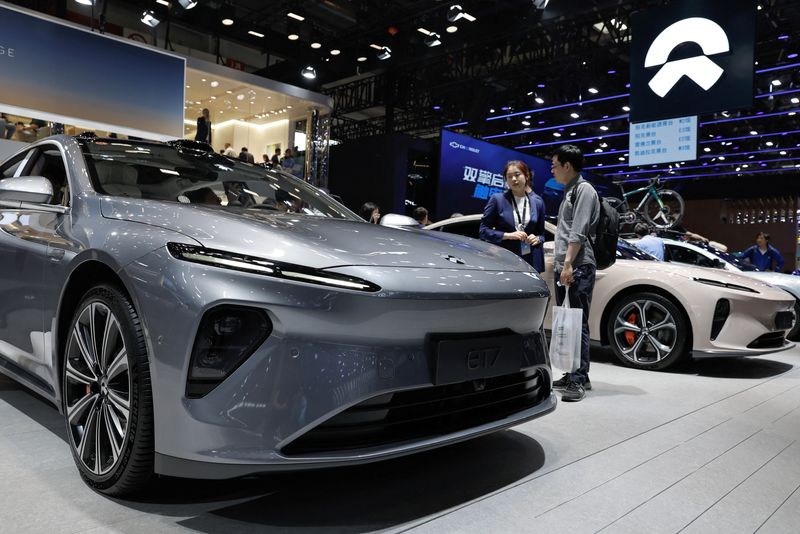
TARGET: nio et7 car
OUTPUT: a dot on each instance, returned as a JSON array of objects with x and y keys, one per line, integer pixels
[
  {"x": 198, "y": 316},
  {"x": 654, "y": 314}
]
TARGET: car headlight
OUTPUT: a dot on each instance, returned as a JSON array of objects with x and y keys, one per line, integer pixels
[
  {"x": 274, "y": 269},
  {"x": 726, "y": 285}
]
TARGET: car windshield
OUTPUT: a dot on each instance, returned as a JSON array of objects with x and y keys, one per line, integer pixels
[
  {"x": 176, "y": 173},
  {"x": 629, "y": 251},
  {"x": 730, "y": 258}
]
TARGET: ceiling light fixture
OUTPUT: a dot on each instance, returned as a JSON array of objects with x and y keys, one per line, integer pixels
[
  {"x": 539, "y": 100},
  {"x": 255, "y": 34},
  {"x": 316, "y": 45},
  {"x": 451, "y": 29},
  {"x": 149, "y": 18},
  {"x": 295, "y": 16},
  {"x": 776, "y": 82},
  {"x": 626, "y": 108},
  {"x": 456, "y": 13},
  {"x": 433, "y": 39},
  {"x": 187, "y": 4},
  {"x": 361, "y": 59},
  {"x": 85, "y": 2},
  {"x": 593, "y": 90},
  {"x": 163, "y": 2},
  {"x": 309, "y": 72},
  {"x": 384, "y": 53},
  {"x": 795, "y": 100},
  {"x": 335, "y": 52},
  {"x": 424, "y": 31},
  {"x": 574, "y": 115},
  {"x": 227, "y": 15}
]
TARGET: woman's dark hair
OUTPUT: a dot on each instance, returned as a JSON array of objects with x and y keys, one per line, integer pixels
[
  {"x": 366, "y": 210},
  {"x": 523, "y": 167},
  {"x": 570, "y": 154},
  {"x": 765, "y": 235}
]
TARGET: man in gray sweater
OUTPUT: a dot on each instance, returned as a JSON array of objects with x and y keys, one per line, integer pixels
[{"x": 575, "y": 265}]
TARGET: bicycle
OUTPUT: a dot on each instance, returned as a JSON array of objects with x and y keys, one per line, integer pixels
[{"x": 660, "y": 208}]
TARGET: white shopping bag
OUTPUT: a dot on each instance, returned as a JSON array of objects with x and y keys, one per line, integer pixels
[{"x": 565, "y": 343}]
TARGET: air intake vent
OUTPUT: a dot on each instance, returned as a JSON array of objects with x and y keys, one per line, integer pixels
[{"x": 721, "y": 312}]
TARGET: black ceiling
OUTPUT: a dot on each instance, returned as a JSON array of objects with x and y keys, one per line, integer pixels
[{"x": 510, "y": 56}]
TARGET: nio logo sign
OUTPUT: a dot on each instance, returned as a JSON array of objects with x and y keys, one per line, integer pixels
[
  {"x": 454, "y": 259},
  {"x": 483, "y": 358},
  {"x": 704, "y": 72},
  {"x": 692, "y": 57}
]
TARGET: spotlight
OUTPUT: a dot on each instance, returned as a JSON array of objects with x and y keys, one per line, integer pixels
[
  {"x": 309, "y": 73},
  {"x": 626, "y": 108},
  {"x": 149, "y": 18},
  {"x": 795, "y": 100},
  {"x": 361, "y": 59},
  {"x": 187, "y": 4},
  {"x": 593, "y": 90},
  {"x": 433, "y": 39},
  {"x": 335, "y": 52},
  {"x": 574, "y": 115},
  {"x": 456, "y": 12},
  {"x": 452, "y": 28},
  {"x": 604, "y": 128},
  {"x": 85, "y": 2},
  {"x": 316, "y": 45},
  {"x": 226, "y": 14},
  {"x": 384, "y": 53},
  {"x": 776, "y": 82},
  {"x": 539, "y": 100}
]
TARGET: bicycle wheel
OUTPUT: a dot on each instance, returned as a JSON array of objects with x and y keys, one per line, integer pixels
[{"x": 672, "y": 213}]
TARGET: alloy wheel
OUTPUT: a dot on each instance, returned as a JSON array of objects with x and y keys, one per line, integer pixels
[
  {"x": 645, "y": 332},
  {"x": 97, "y": 389}
]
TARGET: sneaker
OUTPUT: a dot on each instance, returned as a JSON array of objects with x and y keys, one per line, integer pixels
[
  {"x": 587, "y": 385},
  {"x": 562, "y": 382},
  {"x": 573, "y": 393}
]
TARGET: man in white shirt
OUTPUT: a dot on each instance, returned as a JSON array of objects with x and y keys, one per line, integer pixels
[{"x": 649, "y": 243}]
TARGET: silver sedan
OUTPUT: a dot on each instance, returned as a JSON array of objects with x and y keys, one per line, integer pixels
[{"x": 197, "y": 316}]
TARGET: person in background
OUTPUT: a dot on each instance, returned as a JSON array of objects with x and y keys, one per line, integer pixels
[
  {"x": 456, "y": 214},
  {"x": 649, "y": 243},
  {"x": 229, "y": 151},
  {"x": 288, "y": 161},
  {"x": 762, "y": 255},
  {"x": 244, "y": 155},
  {"x": 7, "y": 128},
  {"x": 421, "y": 216},
  {"x": 266, "y": 163},
  {"x": 370, "y": 212},
  {"x": 204, "y": 127},
  {"x": 574, "y": 265},
  {"x": 514, "y": 219},
  {"x": 276, "y": 158}
]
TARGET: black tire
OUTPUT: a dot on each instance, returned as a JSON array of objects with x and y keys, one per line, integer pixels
[
  {"x": 99, "y": 381},
  {"x": 671, "y": 216},
  {"x": 794, "y": 333},
  {"x": 640, "y": 351}
]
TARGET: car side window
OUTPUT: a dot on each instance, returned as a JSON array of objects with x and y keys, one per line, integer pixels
[
  {"x": 684, "y": 255},
  {"x": 9, "y": 169},
  {"x": 47, "y": 161}
]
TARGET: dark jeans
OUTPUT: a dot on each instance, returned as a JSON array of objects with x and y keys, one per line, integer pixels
[{"x": 580, "y": 296}]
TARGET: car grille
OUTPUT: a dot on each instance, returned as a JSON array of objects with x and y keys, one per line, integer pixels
[
  {"x": 784, "y": 320},
  {"x": 773, "y": 340},
  {"x": 423, "y": 413}
]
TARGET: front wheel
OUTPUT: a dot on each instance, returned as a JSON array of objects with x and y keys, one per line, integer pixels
[
  {"x": 794, "y": 333},
  {"x": 667, "y": 215},
  {"x": 647, "y": 331},
  {"x": 107, "y": 398}
]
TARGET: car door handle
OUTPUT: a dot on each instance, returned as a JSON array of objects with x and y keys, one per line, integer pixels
[{"x": 55, "y": 254}]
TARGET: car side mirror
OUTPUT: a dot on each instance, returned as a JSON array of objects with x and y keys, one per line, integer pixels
[{"x": 33, "y": 189}]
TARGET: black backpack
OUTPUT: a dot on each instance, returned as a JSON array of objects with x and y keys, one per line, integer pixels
[{"x": 606, "y": 233}]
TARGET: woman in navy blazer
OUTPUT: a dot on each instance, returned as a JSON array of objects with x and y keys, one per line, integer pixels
[{"x": 515, "y": 219}]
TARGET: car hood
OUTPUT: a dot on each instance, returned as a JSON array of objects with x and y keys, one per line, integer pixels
[
  {"x": 317, "y": 242},
  {"x": 786, "y": 282}
]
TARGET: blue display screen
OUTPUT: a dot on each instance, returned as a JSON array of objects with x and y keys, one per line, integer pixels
[{"x": 471, "y": 170}]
